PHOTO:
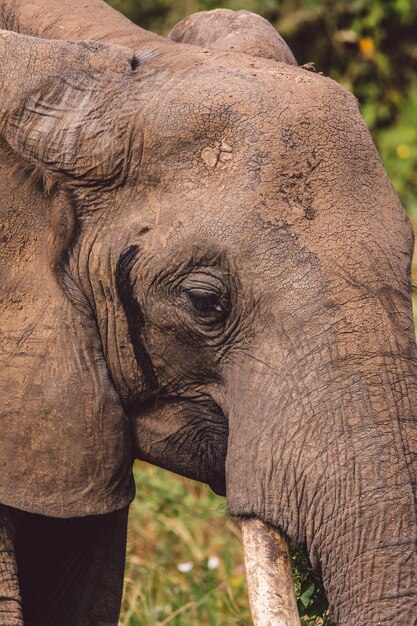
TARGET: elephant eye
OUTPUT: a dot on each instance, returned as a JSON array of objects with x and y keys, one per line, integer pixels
[
  {"x": 206, "y": 303},
  {"x": 206, "y": 297}
]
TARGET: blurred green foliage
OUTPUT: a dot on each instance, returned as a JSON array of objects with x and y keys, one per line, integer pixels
[{"x": 369, "y": 46}]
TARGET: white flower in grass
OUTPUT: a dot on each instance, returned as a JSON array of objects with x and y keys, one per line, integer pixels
[
  {"x": 185, "y": 567},
  {"x": 213, "y": 562}
]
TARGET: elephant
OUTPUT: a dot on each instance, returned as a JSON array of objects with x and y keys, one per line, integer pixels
[{"x": 204, "y": 266}]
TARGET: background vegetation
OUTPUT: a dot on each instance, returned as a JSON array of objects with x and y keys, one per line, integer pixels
[{"x": 185, "y": 564}]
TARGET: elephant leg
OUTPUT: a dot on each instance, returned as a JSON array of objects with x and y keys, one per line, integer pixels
[
  {"x": 10, "y": 601},
  {"x": 108, "y": 572},
  {"x": 71, "y": 570}
]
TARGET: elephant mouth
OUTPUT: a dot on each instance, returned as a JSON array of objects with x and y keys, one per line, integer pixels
[
  {"x": 184, "y": 436},
  {"x": 268, "y": 572}
]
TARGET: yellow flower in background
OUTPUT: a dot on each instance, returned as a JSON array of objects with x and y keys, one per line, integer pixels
[
  {"x": 366, "y": 46},
  {"x": 236, "y": 581},
  {"x": 403, "y": 151}
]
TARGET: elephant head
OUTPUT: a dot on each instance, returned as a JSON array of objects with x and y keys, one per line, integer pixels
[{"x": 205, "y": 257}]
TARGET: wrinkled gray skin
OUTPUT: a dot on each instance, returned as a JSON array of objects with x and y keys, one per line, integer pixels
[{"x": 221, "y": 261}]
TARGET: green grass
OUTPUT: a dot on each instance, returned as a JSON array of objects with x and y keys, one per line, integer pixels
[{"x": 174, "y": 521}]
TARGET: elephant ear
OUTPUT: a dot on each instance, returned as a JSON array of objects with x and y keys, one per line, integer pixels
[
  {"x": 65, "y": 447},
  {"x": 56, "y": 98},
  {"x": 241, "y": 31}
]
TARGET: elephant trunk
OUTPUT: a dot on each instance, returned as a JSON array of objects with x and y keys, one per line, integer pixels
[{"x": 330, "y": 460}]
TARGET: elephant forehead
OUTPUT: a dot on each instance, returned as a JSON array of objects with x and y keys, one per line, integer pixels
[
  {"x": 261, "y": 139},
  {"x": 270, "y": 144},
  {"x": 252, "y": 125}
]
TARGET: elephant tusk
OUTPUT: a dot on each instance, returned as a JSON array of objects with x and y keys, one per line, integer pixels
[{"x": 268, "y": 572}]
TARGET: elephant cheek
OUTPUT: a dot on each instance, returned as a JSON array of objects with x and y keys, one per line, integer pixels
[{"x": 184, "y": 438}]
